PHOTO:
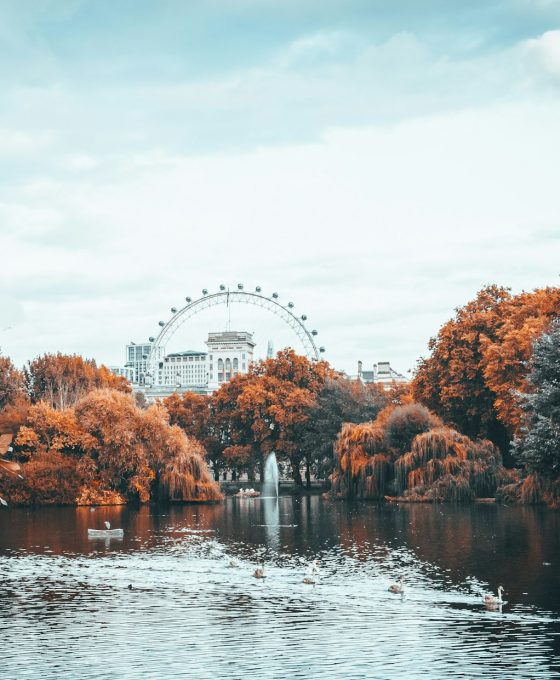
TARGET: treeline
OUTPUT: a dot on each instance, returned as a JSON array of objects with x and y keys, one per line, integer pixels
[
  {"x": 481, "y": 418},
  {"x": 488, "y": 394},
  {"x": 80, "y": 438}
]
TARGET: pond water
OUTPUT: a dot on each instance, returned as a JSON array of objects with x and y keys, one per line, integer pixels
[{"x": 66, "y": 610}]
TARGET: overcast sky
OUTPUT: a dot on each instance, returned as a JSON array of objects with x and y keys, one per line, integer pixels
[{"x": 375, "y": 162}]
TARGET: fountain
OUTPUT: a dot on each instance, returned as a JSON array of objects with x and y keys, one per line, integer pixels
[{"x": 270, "y": 486}]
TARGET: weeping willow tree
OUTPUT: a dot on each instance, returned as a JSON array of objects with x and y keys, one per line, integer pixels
[
  {"x": 408, "y": 452},
  {"x": 185, "y": 476},
  {"x": 444, "y": 465},
  {"x": 363, "y": 465}
]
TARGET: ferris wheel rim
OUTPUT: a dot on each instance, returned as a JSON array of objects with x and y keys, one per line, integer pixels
[{"x": 225, "y": 295}]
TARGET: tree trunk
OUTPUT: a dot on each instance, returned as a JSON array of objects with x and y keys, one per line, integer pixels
[
  {"x": 307, "y": 474},
  {"x": 296, "y": 474},
  {"x": 234, "y": 474}
]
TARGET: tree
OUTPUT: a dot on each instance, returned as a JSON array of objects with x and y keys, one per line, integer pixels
[
  {"x": 451, "y": 381},
  {"x": 12, "y": 385},
  {"x": 61, "y": 379},
  {"x": 106, "y": 449},
  {"x": 479, "y": 362},
  {"x": 263, "y": 411},
  {"x": 195, "y": 414},
  {"x": 339, "y": 401},
  {"x": 507, "y": 358},
  {"x": 538, "y": 445}
]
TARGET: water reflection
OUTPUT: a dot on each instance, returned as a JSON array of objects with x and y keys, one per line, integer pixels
[{"x": 65, "y": 605}]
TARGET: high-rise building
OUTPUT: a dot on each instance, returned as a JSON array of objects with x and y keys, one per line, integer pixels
[{"x": 137, "y": 358}]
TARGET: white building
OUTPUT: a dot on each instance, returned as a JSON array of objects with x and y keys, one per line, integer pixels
[
  {"x": 229, "y": 353},
  {"x": 183, "y": 369},
  {"x": 382, "y": 374},
  {"x": 137, "y": 360},
  {"x": 123, "y": 372}
]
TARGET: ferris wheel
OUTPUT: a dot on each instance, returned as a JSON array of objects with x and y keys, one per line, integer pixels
[{"x": 226, "y": 296}]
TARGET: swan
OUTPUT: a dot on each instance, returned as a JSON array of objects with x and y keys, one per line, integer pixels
[
  {"x": 491, "y": 601},
  {"x": 233, "y": 563},
  {"x": 107, "y": 525},
  {"x": 397, "y": 588},
  {"x": 259, "y": 571},
  {"x": 313, "y": 573}
]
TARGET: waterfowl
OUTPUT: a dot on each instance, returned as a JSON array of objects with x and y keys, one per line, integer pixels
[
  {"x": 313, "y": 574},
  {"x": 107, "y": 525},
  {"x": 397, "y": 588},
  {"x": 492, "y": 602},
  {"x": 259, "y": 571},
  {"x": 233, "y": 563}
]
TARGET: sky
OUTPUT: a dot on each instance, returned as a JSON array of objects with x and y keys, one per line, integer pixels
[{"x": 376, "y": 163}]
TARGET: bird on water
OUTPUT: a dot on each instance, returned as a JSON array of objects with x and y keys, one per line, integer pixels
[{"x": 397, "y": 588}]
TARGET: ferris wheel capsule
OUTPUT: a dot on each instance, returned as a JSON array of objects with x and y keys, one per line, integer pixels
[
  {"x": 174, "y": 310},
  {"x": 188, "y": 299},
  {"x": 151, "y": 338},
  {"x": 304, "y": 317},
  {"x": 205, "y": 291},
  {"x": 314, "y": 332},
  {"x": 291, "y": 305},
  {"x": 258, "y": 289},
  {"x": 222, "y": 287},
  {"x": 321, "y": 349},
  {"x": 240, "y": 286},
  {"x": 162, "y": 323},
  {"x": 275, "y": 296}
]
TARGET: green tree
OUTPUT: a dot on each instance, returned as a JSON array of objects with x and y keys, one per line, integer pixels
[{"x": 538, "y": 447}]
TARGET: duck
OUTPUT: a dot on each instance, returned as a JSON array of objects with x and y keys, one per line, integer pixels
[
  {"x": 493, "y": 602},
  {"x": 397, "y": 588},
  {"x": 233, "y": 564},
  {"x": 259, "y": 571}
]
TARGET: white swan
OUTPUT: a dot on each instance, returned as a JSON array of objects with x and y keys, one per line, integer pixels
[
  {"x": 313, "y": 573},
  {"x": 398, "y": 587},
  {"x": 493, "y": 602},
  {"x": 233, "y": 563},
  {"x": 107, "y": 525}
]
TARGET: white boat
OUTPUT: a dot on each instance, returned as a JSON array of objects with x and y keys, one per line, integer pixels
[{"x": 105, "y": 533}]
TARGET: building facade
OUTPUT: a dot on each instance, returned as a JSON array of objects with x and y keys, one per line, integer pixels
[
  {"x": 381, "y": 374},
  {"x": 229, "y": 353}
]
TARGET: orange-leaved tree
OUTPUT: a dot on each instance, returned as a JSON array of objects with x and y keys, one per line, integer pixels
[
  {"x": 479, "y": 362},
  {"x": 62, "y": 379}
]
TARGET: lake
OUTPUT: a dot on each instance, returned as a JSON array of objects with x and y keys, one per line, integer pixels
[{"x": 66, "y": 610}]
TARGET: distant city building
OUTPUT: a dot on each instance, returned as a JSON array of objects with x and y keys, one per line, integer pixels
[
  {"x": 270, "y": 350},
  {"x": 229, "y": 353},
  {"x": 180, "y": 369},
  {"x": 136, "y": 359},
  {"x": 123, "y": 372},
  {"x": 382, "y": 374}
]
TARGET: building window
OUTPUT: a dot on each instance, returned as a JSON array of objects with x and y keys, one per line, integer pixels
[{"x": 236, "y": 364}]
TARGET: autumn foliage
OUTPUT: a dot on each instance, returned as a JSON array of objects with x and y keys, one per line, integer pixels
[
  {"x": 408, "y": 453},
  {"x": 479, "y": 362},
  {"x": 106, "y": 450},
  {"x": 61, "y": 380}
]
